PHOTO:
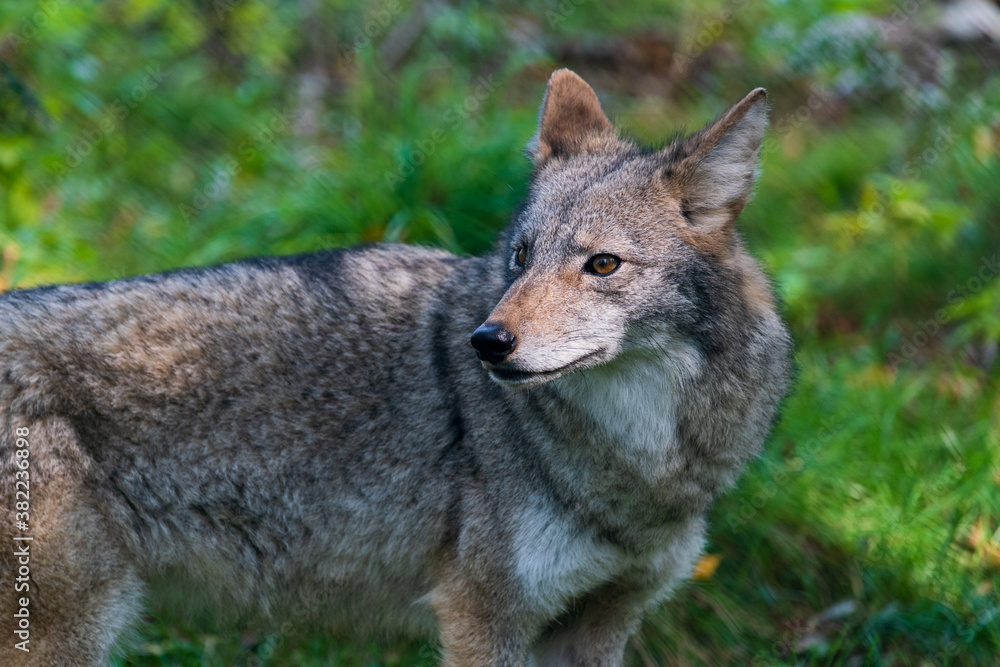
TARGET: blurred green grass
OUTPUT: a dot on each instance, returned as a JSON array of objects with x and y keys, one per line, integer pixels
[{"x": 870, "y": 531}]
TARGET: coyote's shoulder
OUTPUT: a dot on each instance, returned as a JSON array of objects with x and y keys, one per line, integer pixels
[{"x": 313, "y": 438}]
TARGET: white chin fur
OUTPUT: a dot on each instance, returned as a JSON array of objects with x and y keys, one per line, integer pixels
[{"x": 525, "y": 381}]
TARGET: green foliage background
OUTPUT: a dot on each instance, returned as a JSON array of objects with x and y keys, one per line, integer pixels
[{"x": 143, "y": 135}]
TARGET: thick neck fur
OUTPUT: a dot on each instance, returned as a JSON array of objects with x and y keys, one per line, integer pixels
[
  {"x": 658, "y": 432},
  {"x": 632, "y": 404}
]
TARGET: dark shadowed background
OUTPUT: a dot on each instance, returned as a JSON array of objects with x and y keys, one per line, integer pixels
[{"x": 143, "y": 135}]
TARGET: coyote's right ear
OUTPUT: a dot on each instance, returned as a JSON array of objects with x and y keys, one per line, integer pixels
[
  {"x": 717, "y": 166},
  {"x": 571, "y": 119}
]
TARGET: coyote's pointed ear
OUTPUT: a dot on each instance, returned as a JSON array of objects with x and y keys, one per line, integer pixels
[
  {"x": 571, "y": 119},
  {"x": 718, "y": 165}
]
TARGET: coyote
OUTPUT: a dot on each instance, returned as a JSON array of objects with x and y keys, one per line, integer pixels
[{"x": 312, "y": 439}]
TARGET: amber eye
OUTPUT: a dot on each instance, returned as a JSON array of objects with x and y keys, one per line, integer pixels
[
  {"x": 603, "y": 264},
  {"x": 522, "y": 256}
]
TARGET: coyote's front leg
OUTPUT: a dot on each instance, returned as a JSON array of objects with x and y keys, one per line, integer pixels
[
  {"x": 479, "y": 625},
  {"x": 594, "y": 633}
]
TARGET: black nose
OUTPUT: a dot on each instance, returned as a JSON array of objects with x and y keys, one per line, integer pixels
[{"x": 493, "y": 342}]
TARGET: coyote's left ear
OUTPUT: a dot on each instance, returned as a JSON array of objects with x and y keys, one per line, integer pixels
[
  {"x": 718, "y": 165},
  {"x": 571, "y": 119}
]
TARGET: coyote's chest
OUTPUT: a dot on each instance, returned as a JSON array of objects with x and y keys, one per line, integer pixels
[
  {"x": 557, "y": 560},
  {"x": 632, "y": 405},
  {"x": 628, "y": 446}
]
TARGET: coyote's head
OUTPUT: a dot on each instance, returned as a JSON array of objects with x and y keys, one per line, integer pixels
[{"x": 621, "y": 250}]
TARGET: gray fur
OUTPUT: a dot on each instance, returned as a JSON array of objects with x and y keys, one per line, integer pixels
[{"x": 313, "y": 437}]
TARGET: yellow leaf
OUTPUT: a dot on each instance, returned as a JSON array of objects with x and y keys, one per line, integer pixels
[
  {"x": 976, "y": 535},
  {"x": 982, "y": 143},
  {"x": 991, "y": 553},
  {"x": 24, "y": 203},
  {"x": 8, "y": 260},
  {"x": 706, "y": 567}
]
